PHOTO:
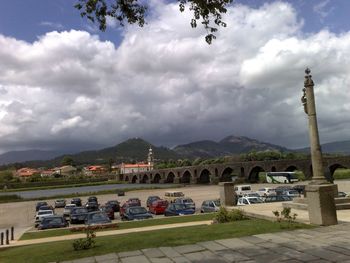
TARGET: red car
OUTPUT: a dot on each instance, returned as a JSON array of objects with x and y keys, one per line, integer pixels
[{"x": 158, "y": 206}]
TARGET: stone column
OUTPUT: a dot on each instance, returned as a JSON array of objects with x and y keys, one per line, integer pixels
[
  {"x": 320, "y": 193},
  {"x": 227, "y": 196}
]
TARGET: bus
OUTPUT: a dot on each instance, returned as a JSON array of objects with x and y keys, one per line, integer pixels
[{"x": 281, "y": 177}]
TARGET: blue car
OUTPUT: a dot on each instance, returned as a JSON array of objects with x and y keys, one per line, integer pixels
[
  {"x": 178, "y": 210},
  {"x": 136, "y": 213}
]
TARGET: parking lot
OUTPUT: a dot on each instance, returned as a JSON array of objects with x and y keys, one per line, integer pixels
[{"x": 21, "y": 215}]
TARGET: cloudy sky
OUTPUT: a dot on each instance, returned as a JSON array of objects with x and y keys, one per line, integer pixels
[{"x": 65, "y": 85}]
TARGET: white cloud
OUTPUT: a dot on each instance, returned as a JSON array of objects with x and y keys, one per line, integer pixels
[
  {"x": 164, "y": 83},
  {"x": 52, "y": 25}
]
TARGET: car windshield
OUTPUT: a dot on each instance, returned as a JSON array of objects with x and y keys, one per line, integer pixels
[
  {"x": 79, "y": 210},
  {"x": 217, "y": 202},
  {"x": 137, "y": 210},
  {"x": 48, "y": 212},
  {"x": 98, "y": 216},
  {"x": 180, "y": 206},
  {"x": 188, "y": 201}
]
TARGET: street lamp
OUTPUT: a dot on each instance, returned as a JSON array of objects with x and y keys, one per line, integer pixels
[{"x": 308, "y": 101}]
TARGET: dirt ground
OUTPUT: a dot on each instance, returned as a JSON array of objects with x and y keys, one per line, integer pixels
[{"x": 21, "y": 214}]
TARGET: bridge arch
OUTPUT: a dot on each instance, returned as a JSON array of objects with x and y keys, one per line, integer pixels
[
  {"x": 156, "y": 178},
  {"x": 334, "y": 167},
  {"x": 186, "y": 177},
  {"x": 204, "y": 177},
  {"x": 291, "y": 168},
  {"x": 145, "y": 179},
  {"x": 226, "y": 175},
  {"x": 170, "y": 178},
  {"x": 254, "y": 174}
]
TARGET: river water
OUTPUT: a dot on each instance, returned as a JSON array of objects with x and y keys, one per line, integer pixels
[{"x": 81, "y": 189}]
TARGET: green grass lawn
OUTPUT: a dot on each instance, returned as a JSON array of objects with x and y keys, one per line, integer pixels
[
  {"x": 63, "y": 250},
  {"x": 122, "y": 225},
  {"x": 341, "y": 174}
]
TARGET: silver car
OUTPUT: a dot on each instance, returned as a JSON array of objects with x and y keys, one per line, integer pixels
[{"x": 210, "y": 206}]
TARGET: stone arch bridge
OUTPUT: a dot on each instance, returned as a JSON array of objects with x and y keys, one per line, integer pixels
[{"x": 247, "y": 171}]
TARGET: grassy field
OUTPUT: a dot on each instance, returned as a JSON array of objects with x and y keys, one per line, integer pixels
[
  {"x": 63, "y": 250},
  {"x": 123, "y": 225},
  {"x": 341, "y": 174}
]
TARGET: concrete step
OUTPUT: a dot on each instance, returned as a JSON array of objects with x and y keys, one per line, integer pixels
[{"x": 303, "y": 205}]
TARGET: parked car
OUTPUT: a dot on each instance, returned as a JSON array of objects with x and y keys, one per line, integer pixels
[
  {"x": 210, "y": 206},
  {"x": 240, "y": 190},
  {"x": 187, "y": 201},
  {"x": 291, "y": 193},
  {"x": 158, "y": 206},
  {"x": 125, "y": 206},
  {"x": 114, "y": 204},
  {"x": 249, "y": 201},
  {"x": 41, "y": 214},
  {"x": 300, "y": 188},
  {"x": 136, "y": 213},
  {"x": 120, "y": 193},
  {"x": 151, "y": 198},
  {"x": 280, "y": 189},
  {"x": 38, "y": 204},
  {"x": 91, "y": 206},
  {"x": 108, "y": 210},
  {"x": 97, "y": 218},
  {"x": 52, "y": 222},
  {"x": 342, "y": 194},
  {"x": 59, "y": 203},
  {"x": 178, "y": 209},
  {"x": 252, "y": 194},
  {"x": 277, "y": 198},
  {"x": 134, "y": 200},
  {"x": 92, "y": 199},
  {"x": 170, "y": 196},
  {"x": 78, "y": 215},
  {"x": 266, "y": 191},
  {"x": 76, "y": 201},
  {"x": 46, "y": 207},
  {"x": 67, "y": 209}
]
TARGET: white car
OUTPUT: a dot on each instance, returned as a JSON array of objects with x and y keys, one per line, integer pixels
[
  {"x": 252, "y": 194},
  {"x": 249, "y": 201},
  {"x": 41, "y": 214},
  {"x": 291, "y": 193},
  {"x": 263, "y": 192}
]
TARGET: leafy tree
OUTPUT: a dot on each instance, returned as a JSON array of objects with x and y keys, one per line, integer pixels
[
  {"x": 206, "y": 12},
  {"x": 67, "y": 160}
]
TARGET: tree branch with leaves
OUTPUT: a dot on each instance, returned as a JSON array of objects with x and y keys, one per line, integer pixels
[{"x": 207, "y": 12}]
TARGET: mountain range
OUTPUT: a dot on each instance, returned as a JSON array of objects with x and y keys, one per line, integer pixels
[{"x": 136, "y": 149}]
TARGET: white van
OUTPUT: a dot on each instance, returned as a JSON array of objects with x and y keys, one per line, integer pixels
[{"x": 242, "y": 189}]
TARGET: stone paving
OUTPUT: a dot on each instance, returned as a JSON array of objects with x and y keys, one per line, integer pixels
[{"x": 322, "y": 244}]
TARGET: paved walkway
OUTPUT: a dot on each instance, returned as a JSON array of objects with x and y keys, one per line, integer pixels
[{"x": 323, "y": 244}]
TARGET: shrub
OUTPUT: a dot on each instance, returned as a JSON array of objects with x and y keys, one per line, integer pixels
[
  {"x": 224, "y": 216},
  {"x": 88, "y": 242},
  {"x": 285, "y": 216}
]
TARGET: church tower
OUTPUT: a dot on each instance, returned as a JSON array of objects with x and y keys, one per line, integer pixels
[{"x": 150, "y": 158}]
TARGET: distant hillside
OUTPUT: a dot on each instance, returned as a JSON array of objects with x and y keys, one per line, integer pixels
[
  {"x": 132, "y": 150},
  {"x": 342, "y": 147},
  {"x": 29, "y": 155},
  {"x": 227, "y": 146}
]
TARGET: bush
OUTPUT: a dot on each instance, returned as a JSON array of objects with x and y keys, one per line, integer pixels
[
  {"x": 224, "y": 216},
  {"x": 285, "y": 216},
  {"x": 87, "y": 243}
]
